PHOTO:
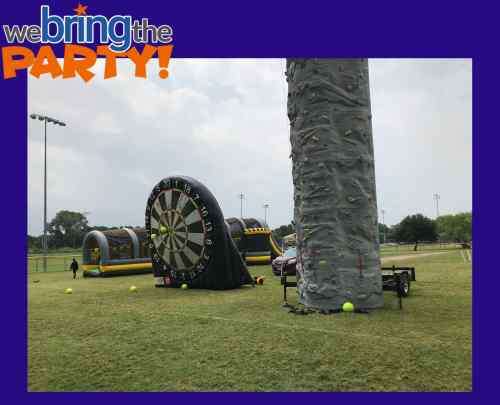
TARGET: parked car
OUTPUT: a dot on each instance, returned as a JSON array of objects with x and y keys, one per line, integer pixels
[{"x": 287, "y": 261}]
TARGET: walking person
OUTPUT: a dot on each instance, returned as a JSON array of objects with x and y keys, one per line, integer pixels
[{"x": 74, "y": 267}]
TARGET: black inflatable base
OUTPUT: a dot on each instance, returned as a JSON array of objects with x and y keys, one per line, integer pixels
[{"x": 191, "y": 243}]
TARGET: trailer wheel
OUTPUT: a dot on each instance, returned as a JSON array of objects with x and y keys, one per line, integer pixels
[{"x": 404, "y": 285}]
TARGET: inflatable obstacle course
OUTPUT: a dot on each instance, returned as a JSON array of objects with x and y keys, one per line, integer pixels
[
  {"x": 127, "y": 250},
  {"x": 188, "y": 238},
  {"x": 116, "y": 252},
  {"x": 254, "y": 240}
]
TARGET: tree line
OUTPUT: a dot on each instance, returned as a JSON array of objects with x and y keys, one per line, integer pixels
[
  {"x": 416, "y": 228},
  {"x": 68, "y": 228}
]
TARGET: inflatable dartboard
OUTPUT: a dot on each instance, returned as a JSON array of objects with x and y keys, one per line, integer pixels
[{"x": 189, "y": 241}]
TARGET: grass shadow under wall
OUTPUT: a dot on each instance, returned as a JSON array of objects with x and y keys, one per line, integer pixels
[{"x": 105, "y": 338}]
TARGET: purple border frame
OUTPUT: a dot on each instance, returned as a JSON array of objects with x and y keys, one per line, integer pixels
[{"x": 395, "y": 29}]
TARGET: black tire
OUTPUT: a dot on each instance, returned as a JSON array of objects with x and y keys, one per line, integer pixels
[{"x": 404, "y": 284}]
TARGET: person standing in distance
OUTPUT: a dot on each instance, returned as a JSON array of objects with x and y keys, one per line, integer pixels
[{"x": 74, "y": 267}]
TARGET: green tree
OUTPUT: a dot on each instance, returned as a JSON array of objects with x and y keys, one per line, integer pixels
[
  {"x": 282, "y": 231},
  {"x": 67, "y": 229},
  {"x": 416, "y": 228},
  {"x": 384, "y": 232},
  {"x": 34, "y": 243},
  {"x": 455, "y": 228}
]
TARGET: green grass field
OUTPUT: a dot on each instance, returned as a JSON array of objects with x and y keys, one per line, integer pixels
[
  {"x": 105, "y": 338},
  {"x": 389, "y": 250}
]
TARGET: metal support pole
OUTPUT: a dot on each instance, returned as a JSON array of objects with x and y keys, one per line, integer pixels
[
  {"x": 383, "y": 223},
  {"x": 437, "y": 197},
  {"x": 241, "y": 197},
  {"x": 45, "y": 243},
  {"x": 45, "y": 119}
]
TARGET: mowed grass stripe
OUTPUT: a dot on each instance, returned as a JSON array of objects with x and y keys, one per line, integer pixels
[{"x": 102, "y": 337}]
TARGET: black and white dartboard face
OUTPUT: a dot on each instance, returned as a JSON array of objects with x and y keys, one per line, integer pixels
[{"x": 179, "y": 228}]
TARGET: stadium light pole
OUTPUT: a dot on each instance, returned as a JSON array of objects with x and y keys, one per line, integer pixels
[
  {"x": 266, "y": 207},
  {"x": 383, "y": 222},
  {"x": 241, "y": 196},
  {"x": 437, "y": 198},
  {"x": 45, "y": 120}
]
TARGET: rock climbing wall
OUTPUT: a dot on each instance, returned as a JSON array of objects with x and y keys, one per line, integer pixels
[{"x": 334, "y": 183}]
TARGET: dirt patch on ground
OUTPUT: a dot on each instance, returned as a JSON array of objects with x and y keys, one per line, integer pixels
[{"x": 405, "y": 257}]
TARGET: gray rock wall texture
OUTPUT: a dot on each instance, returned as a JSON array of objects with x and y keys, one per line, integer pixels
[{"x": 334, "y": 183}]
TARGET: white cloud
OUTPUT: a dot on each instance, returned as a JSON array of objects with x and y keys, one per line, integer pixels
[{"x": 224, "y": 122}]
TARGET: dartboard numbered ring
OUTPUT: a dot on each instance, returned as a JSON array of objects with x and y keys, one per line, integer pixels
[{"x": 180, "y": 230}]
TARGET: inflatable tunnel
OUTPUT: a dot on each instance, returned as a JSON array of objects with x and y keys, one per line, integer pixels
[
  {"x": 117, "y": 251},
  {"x": 254, "y": 240}
]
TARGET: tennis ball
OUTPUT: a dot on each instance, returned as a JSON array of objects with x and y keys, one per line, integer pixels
[
  {"x": 163, "y": 229},
  {"x": 347, "y": 307},
  {"x": 133, "y": 288},
  {"x": 68, "y": 291},
  {"x": 153, "y": 236},
  {"x": 184, "y": 286}
]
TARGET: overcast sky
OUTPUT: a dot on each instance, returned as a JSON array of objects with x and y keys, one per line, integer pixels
[{"x": 224, "y": 123}]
